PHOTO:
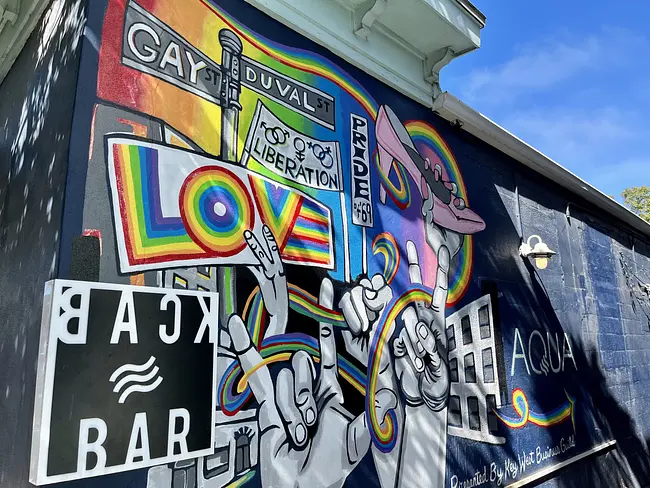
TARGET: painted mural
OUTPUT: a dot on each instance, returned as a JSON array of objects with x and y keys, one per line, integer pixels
[{"x": 356, "y": 346}]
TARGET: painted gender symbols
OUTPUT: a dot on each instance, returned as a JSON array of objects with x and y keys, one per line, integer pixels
[{"x": 216, "y": 210}]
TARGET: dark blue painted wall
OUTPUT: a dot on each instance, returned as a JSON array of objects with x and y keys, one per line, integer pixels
[{"x": 36, "y": 105}]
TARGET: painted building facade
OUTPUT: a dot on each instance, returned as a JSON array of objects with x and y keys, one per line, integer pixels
[{"x": 377, "y": 325}]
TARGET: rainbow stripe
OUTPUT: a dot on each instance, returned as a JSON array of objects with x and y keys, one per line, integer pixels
[
  {"x": 556, "y": 416},
  {"x": 431, "y": 145},
  {"x": 310, "y": 238},
  {"x": 307, "y": 304},
  {"x": 241, "y": 481},
  {"x": 235, "y": 393},
  {"x": 384, "y": 431},
  {"x": 386, "y": 245},
  {"x": 256, "y": 319},
  {"x": 400, "y": 195},
  {"x": 149, "y": 236},
  {"x": 305, "y": 61}
]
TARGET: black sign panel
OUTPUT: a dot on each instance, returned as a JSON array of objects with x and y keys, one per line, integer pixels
[
  {"x": 151, "y": 46},
  {"x": 126, "y": 379}
]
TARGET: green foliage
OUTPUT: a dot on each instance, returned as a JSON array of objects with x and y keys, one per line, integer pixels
[{"x": 637, "y": 198}]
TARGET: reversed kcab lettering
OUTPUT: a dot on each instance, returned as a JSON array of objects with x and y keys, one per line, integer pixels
[{"x": 139, "y": 365}]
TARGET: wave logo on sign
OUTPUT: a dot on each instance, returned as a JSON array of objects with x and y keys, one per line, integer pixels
[{"x": 140, "y": 378}]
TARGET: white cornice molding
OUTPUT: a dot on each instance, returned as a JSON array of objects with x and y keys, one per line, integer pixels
[
  {"x": 16, "y": 25},
  {"x": 368, "y": 17},
  {"x": 7, "y": 15},
  {"x": 377, "y": 36},
  {"x": 477, "y": 124},
  {"x": 433, "y": 64}
]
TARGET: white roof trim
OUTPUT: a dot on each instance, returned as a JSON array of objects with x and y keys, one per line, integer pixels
[
  {"x": 16, "y": 25},
  {"x": 452, "y": 109},
  {"x": 358, "y": 31}
]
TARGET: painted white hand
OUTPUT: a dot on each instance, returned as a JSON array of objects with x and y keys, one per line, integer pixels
[
  {"x": 271, "y": 278},
  {"x": 362, "y": 307},
  {"x": 420, "y": 347},
  {"x": 436, "y": 236},
  {"x": 307, "y": 439}
]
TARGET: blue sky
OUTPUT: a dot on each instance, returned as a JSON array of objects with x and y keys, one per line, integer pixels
[{"x": 571, "y": 78}]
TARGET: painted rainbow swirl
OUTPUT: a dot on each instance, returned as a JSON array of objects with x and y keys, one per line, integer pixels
[
  {"x": 216, "y": 210},
  {"x": 384, "y": 431},
  {"x": 386, "y": 245}
]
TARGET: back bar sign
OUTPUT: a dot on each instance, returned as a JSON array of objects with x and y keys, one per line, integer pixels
[
  {"x": 151, "y": 46},
  {"x": 126, "y": 379}
]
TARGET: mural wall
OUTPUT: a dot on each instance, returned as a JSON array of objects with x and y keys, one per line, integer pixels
[{"x": 374, "y": 327}]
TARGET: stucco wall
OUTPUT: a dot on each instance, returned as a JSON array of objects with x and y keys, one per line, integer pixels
[
  {"x": 557, "y": 353},
  {"x": 36, "y": 103}
]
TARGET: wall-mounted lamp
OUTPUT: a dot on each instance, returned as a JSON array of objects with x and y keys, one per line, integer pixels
[{"x": 541, "y": 253}]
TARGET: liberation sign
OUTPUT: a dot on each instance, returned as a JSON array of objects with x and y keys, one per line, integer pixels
[
  {"x": 126, "y": 379},
  {"x": 291, "y": 154}
]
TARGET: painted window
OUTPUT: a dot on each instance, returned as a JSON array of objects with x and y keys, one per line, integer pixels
[
  {"x": 218, "y": 463},
  {"x": 470, "y": 368},
  {"x": 180, "y": 283},
  {"x": 204, "y": 270},
  {"x": 484, "y": 322},
  {"x": 455, "y": 415},
  {"x": 491, "y": 405},
  {"x": 451, "y": 338},
  {"x": 488, "y": 366},
  {"x": 466, "y": 327},
  {"x": 453, "y": 370},
  {"x": 474, "y": 415},
  {"x": 242, "y": 454}
]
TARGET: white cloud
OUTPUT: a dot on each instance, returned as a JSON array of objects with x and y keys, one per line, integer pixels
[
  {"x": 586, "y": 129},
  {"x": 579, "y": 99},
  {"x": 617, "y": 176},
  {"x": 539, "y": 66}
]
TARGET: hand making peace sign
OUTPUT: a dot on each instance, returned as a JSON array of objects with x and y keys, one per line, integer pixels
[
  {"x": 271, "y": 278},
  {"x": 306, "y": 438}
]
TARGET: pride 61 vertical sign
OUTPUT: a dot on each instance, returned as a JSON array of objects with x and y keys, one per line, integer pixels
[{"x": 126, "y": 379}]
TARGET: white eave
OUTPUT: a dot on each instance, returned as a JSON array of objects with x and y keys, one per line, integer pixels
[
  {"x": 477, "y": 124},
  {"x": 403, "y": 43},
  {"x": 17, "y": 21}
]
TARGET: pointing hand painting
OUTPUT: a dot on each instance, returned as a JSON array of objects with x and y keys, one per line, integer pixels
[{"x": 306, "y": 438}]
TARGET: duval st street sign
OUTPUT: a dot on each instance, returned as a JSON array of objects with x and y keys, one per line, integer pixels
[
  {"x": 126, "y": 379},
  {"x": 310, "y": 102},
  {"x": 151, "y": 46}
]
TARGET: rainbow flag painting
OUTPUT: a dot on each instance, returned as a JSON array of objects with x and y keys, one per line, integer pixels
[{"x": 174, "y": 207}]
